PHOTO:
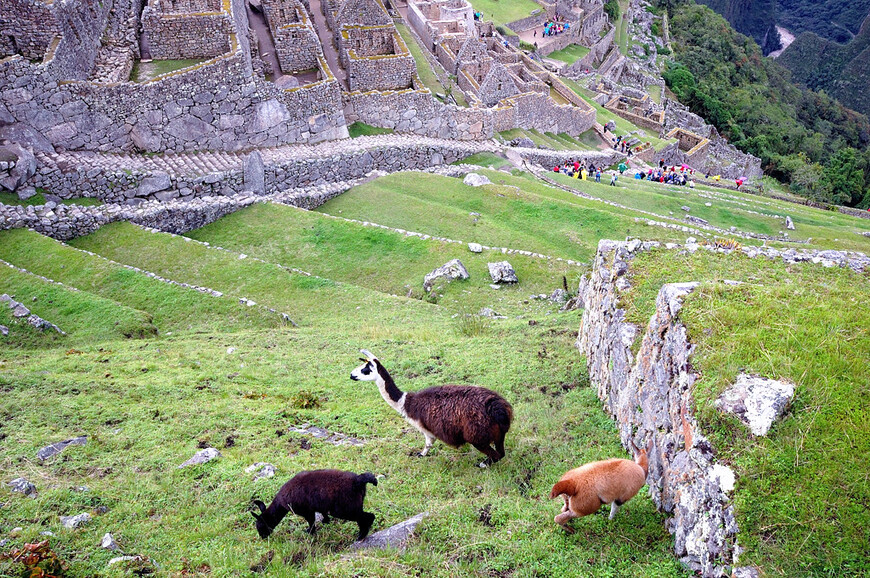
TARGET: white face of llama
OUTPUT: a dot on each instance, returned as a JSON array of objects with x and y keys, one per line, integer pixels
[{"x": 365, "y": 372}]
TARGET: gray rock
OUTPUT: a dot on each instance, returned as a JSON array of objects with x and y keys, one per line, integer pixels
[
  {"x": 476, "y": 180},
  {"x": 610, "y": 125},
  {"x": 254, "y": 175},
  {"x": 56, "y": 448},
  {"x": 524, "y": 142},
  {"x": 789, "y": 224},
  {"x": 25, "y": 193},
  {"x": 27, "y": 136},
  {"x": 264, "y": 470},
  {"x": 19, "y": 310},
  {"x": 108, "y": 543},
  {"x": 4, "y": 331},
  {"x": 396, "y": 536},
  {"x": 502, "y": 272},
  {"x": 73, "y": 522},
  {"x": 156, "y": 182},
  {"x": 685, "y": 208},
  {"x": 487, "y": 312},
  {"x": 696, "y": 220},
  {"x": 746, "y": 572},
  {"x": 22, "y": 486},
  {"x": 25, "y": 166},
  {"x": 3, "y": 542},
  {"x": 450, "y": 271},
  {"x": 201, "y": 457},
  {"x": 757, "y": 401},
  {"x": 287, "y": 81},
  {"x": 475, "y": 247},
  {"x": 559, "y": 296}
]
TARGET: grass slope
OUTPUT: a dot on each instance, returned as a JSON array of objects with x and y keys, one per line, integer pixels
[
  {"x": 171, "y": 307},
  {"x": 802, "y": 490}
]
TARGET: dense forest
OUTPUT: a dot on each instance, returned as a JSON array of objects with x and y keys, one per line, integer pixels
[
  {"x": 843, "y": 71},
  {"x": 805, "y": 138}
]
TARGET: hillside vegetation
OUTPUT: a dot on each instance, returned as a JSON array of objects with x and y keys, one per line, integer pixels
[
  {"x": 152, "y": 371},
  {"x": 806, "y": 138}
]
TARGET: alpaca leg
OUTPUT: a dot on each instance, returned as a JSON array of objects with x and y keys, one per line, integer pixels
[
  {"x": 614, "y": 507},
  {"x": 492, "y": 456},
  {"x": 365, "y": 524},
  {"x": 309, "y": 517},
  {"x": 563, "y": 518}
]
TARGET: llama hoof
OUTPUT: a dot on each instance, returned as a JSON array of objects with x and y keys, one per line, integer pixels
[{"x": 568, "y": 530}]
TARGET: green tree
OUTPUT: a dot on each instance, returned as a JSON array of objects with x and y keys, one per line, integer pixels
[
  {"x": 843, "y": 177},
  {"x": 611, "y": 8}
]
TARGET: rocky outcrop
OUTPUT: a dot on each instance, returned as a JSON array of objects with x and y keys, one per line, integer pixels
[{"x": 649, "y": 395}]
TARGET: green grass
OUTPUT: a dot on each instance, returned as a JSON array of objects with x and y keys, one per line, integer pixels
[
  {"x": 514, "y": 212},
  {"x": 501, "y": 12},
  {"x": 802, "y": 489},
  {"x": 7, "y": 198},
  {"x": 622, "y": 38},
  {"x": 362, "y": 129},
  {"x": 623, "y": 126},
  {"x": 233, "y": 377},
  {"x": 485, "y": 159},
  {"x": 424, "y": 70},
  {"x": 569, "y": 54},
  {"x": 145, "y": 71}
]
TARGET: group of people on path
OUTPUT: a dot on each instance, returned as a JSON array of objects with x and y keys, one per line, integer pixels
[
  {"x": 552, "y": 28},
  {"x": 578, "y": 170},
  {"x": 621, "y": 144}
]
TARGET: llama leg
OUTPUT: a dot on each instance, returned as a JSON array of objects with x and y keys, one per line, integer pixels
[
  {"x": 565, "y": 507},
  {"x": 492, "y": 456},
  {"x": 365, "y": 522},
  {"x": 429, "y": 441},
  {"x": 499, "y": 444},
  {"x": 563, "y": 518},
  {"x": 326, "y": 519},
  {"x": 614, "y": 507}
]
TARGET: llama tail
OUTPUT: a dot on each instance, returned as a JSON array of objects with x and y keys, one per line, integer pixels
[
  {"x": 366, "y": 478},
  {"x": 562, "y": 487}
]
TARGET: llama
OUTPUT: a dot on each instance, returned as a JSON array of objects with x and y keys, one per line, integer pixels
[
  {"x": 614, "y": 481},
  {"x": 330, "y": 492},
  {"x": 454, "y": 414}
]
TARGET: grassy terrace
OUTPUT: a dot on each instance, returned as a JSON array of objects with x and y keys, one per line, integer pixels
[
  {"x": 151, "y": 372},
  {"x": 502, "y": 13},
  {"x": 570, "y": 54},
  {"x": 561, "y": 141}
]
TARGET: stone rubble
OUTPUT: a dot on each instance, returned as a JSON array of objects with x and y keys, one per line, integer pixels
[
  {"x": 263, "y": 469},
  {"x": 19, "y": 310},
  {"x": 201, "y": 457},
  {"x": 21, "y": 485},
  {"x": 73, "y": 522}
]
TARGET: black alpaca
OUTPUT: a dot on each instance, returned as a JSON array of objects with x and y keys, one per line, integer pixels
[{"x": 331, "y": 492}]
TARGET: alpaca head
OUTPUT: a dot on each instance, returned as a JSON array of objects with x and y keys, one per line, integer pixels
[
  {"x": 263, "y": 529},
  {"x": 368, "y": 371}
]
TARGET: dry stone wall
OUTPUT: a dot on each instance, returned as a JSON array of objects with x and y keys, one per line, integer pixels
[
  {"x": 174, "y": 36},
  {"x": 649, "y": 395},
  {"x": 31, "y": 30},
  {"x": 81, "y": 24}
]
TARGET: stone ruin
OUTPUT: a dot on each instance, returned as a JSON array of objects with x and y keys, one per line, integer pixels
[
  {"x": 642, "y": 111},
  {"x": 175, "y": 29}
]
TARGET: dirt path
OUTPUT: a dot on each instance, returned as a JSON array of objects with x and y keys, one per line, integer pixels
[
  {"x": 329, "y": 50},
  {"x": 258, "y": 24}
]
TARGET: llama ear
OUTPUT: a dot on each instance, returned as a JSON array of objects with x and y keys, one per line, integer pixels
[
  {"x": 260, "y": 505},
  {"x": 368, "y": 354}
]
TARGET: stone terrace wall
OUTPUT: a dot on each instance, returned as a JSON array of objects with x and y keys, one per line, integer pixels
[
  {"x": 650, "y": 397},
  {"x": 31, "y": 25},
  {"x": 117, "y": 186}
]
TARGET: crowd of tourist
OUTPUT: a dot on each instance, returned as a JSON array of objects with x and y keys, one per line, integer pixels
[{"x": 553, "y": 28}]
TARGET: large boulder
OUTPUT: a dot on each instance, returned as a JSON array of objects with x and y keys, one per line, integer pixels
[
  {"x": 19, "y": 163},
  {"x": 449, "y": 271},
  {"x": 757, "y": 401},
  {"x": 502, "y": 272},
  {"x": 476, "y": 180},
  {"x": 156, "y": 182},
  {"x": 395, "y": 537},
  {"x": 254, "y": 173}
]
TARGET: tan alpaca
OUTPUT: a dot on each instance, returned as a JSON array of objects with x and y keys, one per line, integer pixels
[{"x": 614, "y": 481}]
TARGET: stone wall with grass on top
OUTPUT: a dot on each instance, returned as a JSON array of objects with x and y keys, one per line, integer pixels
[{"x": 175, "y": 36}]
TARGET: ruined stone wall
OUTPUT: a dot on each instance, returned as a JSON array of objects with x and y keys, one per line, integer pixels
[
  {"x": 530, "y": 22},
  {"x": 81, "y": 24},
  {"x": 175, "y": 36},
  {"x": 28, "y": 26},
  {"x": 649, "y": 396},
  {"x": 296, "y": 43},
  {"x": 389, "y": 72},
  {"x": 598, "y": 51}
]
